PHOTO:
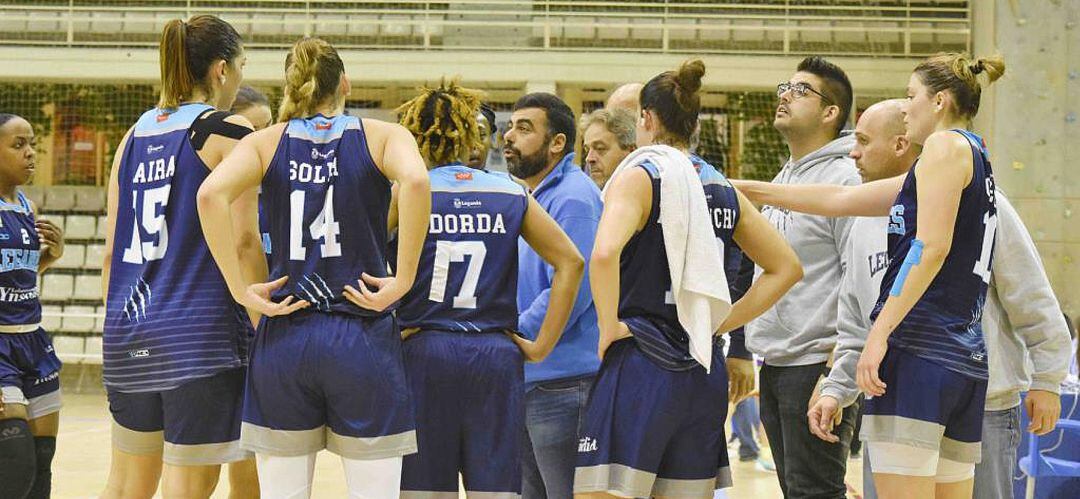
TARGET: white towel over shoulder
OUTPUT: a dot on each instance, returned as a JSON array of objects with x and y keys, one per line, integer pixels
[{"x": 695, "y": 255}]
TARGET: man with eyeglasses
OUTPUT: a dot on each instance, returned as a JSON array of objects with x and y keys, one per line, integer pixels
[{"x": 797, "y": 336}]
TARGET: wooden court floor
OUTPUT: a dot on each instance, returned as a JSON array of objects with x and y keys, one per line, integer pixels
[{"x": 82, "y": 459}]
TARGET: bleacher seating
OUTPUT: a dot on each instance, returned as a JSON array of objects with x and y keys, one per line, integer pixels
[
  {"x": 88, "y": 287},
  {"x": 80, "y": 227},
  {"x": 95, "y": 256},
  {"x": 57, "y": 287},
  {"x": 71, "y": 288},
  {"x": 74, "y": 257},
  {"x": 77, "y": 319}
]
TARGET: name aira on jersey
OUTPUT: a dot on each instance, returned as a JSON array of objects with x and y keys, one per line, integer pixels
[{"x": 154, "y": 170}]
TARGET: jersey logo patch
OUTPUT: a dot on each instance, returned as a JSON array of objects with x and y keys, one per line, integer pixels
[
  {"x": 463, "y": 175},
  {"x": 323, "y": 126},
  {"x": 162, "y": 117}
]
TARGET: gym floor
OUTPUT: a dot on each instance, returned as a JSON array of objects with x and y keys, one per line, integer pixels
[{"x": 82, "y": 460}]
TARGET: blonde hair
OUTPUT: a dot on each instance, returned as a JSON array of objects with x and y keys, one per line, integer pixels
[
  {"x": 186, "y": 52},
  {"x": 958, "y": 74},
  {"x": 313, "y": 71},
  {"x": 443, "y": 121}
]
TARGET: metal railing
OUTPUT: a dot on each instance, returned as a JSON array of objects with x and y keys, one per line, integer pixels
[{"x": 899, "y": 28}]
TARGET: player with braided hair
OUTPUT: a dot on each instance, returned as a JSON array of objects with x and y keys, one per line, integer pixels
[{"x": 461, "y": 314}]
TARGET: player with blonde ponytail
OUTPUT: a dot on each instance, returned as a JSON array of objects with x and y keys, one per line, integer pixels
[
  {"x": 924, "y": 366},
  {"x": 326, "y": 367}
]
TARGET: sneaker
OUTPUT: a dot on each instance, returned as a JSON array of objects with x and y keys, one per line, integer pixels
[
  {"x": 747, "y": 459},
  {"x": 855, "y": 455},
  {"x": 764, "y": 465}
]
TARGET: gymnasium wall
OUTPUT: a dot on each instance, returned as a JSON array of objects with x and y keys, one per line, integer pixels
[{"x": 1030, "y": 119}]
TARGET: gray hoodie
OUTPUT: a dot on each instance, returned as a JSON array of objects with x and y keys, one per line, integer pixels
[
  {"x": 801, "y": 328},
  {"x": 1026, "y": 336}
]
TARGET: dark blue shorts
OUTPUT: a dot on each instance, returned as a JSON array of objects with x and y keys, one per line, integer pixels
[
  {"x": 653, "y": 432},
  {"x": 30, "y": 372},
  {"x": 328, "y": 380},
  {"x": 928, "y": 406},
  {"x": 469, "y": 391},
  {"x": 196, "y": 423}
]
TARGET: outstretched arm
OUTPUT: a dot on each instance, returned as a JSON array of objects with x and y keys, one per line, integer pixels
[{"x": 872, "y": 199}]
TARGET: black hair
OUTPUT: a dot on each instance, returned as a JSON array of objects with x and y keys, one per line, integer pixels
[
  {"x": 560, "y": 118},
  {"x": 6, "y": 117},
  {"x": 247, "y": 97},
  {"x": 489, "y": 115},
  {"x": 836, "y": 85}
]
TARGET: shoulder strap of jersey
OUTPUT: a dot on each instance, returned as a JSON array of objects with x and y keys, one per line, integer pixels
[{"x": 212, "y": 122}]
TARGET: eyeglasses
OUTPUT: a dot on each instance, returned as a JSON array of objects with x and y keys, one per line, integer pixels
[{"x": 800, "y": 90}]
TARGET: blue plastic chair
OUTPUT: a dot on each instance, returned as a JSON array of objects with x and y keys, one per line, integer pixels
[{"x": 1036, "y": 465}]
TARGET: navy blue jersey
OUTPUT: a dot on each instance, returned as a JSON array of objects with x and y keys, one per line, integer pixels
[
  {"x": 645, "y": 300},
  {"x": 325, "y": 202},
  {"x": 945, "y": 325},
  {"x": 724, "y": 209},
  {"x": 170, "y": 316},
  {"x": 467, "y": 276},
  {"x": 20, "y": 251}
]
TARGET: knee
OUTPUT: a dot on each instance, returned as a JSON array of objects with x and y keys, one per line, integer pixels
[{"x": 17, "y": 458}]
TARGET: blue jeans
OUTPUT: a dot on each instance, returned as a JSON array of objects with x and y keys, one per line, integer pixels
[
  {"x": 743, "y": 421},
  {"x": 993, "y": 476},
  {"x": 1000, "y": 439},
  {"x": 554, "y": 412}
]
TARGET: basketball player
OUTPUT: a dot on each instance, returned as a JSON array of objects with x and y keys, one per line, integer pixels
[
  {"x": 252, "y": 104},
  {"x": 29, "y": 368},
  {"x": 485, "y": 119},
  {"x": 654, "y": 423},
  {"x": 330, "y": 377},
  {"x": 464, "y": 358},
  {"x": 924, "y": 363},
  {"x": 174, "y": 339}
]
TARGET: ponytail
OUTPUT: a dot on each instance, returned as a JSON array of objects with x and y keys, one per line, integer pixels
[
  {"x": 312, "y": 72},
  {"x": 187, "y": 50},
  {"x": 176, "y": 80},
  {"x": 958, "y": 74}
]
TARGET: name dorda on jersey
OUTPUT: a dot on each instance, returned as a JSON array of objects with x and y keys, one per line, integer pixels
[{"x": 466, "y": 223}]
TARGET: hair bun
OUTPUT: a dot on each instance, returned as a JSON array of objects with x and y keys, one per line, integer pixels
[
  {"x": 689, "y": 76},
  {"x": 977, "y": 67}
]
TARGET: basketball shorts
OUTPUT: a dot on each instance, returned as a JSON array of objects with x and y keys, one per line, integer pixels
[
  {"x": 194, "y": 424},
  {"x": 653, "y": 432},
  {"x": 926, "y": 406},
  {"x": 30, "y": 372},
  {"x": 469, "y": 392},
  {"x": 328, "y": 381}
]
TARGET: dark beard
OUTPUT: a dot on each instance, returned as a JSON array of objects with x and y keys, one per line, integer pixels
[{"x": 528, "y": 166}]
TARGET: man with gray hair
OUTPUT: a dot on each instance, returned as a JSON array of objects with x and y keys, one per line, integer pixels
[
  {"x": 608, "y": 137},
  {"x": 1022, "y": 321}
]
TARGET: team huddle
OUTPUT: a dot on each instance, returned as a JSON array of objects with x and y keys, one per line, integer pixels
[{"x": 369, "y": 288}]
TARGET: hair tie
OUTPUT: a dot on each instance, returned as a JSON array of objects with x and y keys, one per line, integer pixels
[{"x": 978, "y": 67}]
